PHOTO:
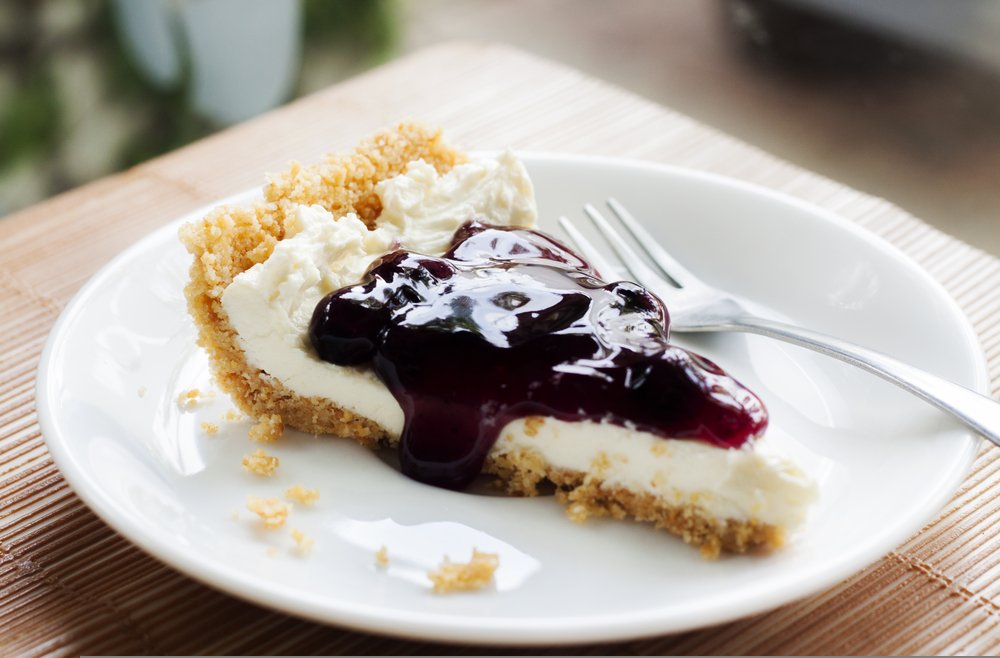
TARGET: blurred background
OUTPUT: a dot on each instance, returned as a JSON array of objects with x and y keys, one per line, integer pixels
[{"x": 899, "y": 98}]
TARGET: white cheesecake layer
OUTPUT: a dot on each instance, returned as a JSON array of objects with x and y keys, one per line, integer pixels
[{"x": 756, "y": 482}]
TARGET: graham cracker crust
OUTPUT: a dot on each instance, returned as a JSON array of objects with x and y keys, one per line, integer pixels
[{"x": 586, "y": 495}]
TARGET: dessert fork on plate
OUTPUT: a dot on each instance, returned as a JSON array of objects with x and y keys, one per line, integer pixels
[{"x": 696, "y": 306}]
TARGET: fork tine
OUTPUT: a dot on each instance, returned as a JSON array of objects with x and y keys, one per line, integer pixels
[
  {"x": 588, "y": 250},
  {"x": 632, "y": 261},
  {"x": 664, "y": 261}
]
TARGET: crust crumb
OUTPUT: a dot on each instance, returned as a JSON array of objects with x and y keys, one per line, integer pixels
[
  {"x": 267, "y": 429},
  {"x": 273, "y": 512},
  {"x": 190, "y": 399},
  {"x": 520, "y": 473},
  {"x": 577, "y": 513},
  {"x": 532, "y": 424},
  {"x": 475, "y": 574},
  {"x": 382, "y": 557},
  {"x": 210, "y": 429},
  {"x": 260, "y": 463},
  {"x": 300, "y": 494},
  {"x": 303, "y": 543},
  {"x": 599, "y": 465},
  {"x": 232, "y": 416}
]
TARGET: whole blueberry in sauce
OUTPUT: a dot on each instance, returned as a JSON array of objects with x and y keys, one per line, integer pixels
[{"x": 510, "y": 323}]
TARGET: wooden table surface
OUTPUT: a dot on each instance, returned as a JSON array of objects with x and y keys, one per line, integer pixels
[{"x": 70, "y": 585}]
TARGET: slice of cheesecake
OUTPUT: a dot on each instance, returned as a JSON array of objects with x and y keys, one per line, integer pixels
[{"x": 260, "y": 273}]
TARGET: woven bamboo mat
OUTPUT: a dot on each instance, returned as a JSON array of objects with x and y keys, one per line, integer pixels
[{"x": 69, "y": 584}]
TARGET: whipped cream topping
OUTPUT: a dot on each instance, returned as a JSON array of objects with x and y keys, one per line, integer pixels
[{"x": 425, "y": 209}]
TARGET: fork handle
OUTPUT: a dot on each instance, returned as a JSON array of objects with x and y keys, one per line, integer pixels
[{"x": 978, "y": 412}]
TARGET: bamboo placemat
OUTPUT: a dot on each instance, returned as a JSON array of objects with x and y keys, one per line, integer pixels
[{"x": 70, "y": 585}]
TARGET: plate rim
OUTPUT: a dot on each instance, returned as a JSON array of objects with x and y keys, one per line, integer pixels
[{"x": 485, "y": 631}]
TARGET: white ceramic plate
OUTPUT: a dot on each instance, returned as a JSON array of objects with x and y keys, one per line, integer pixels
[{"x": 886, "y": 462}]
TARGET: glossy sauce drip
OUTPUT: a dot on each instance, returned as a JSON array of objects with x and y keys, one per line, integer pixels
[{"x": 507, "y": 324}]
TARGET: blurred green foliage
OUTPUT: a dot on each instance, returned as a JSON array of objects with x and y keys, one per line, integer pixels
[
  {"x": 167, "y": 121},
  {"x": 35, "y": 130},
  {"x": 29, "y": 119},
  {"x": 368, "y": 27}
]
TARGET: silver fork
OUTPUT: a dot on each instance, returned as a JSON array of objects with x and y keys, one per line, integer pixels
[{"x": 696, "y": 306}]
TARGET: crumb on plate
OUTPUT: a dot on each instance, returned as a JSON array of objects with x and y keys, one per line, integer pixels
[
  {"x": 271, "y": 551},
  {"x": 192, "y": 397},
  {"x": 267, "y": 429},
  {"x": 260, "y": 463},
  {"x": 232, "y": 416},
  {"x": 272, "y": 511},
  {"x": 210, "y": 429},
  {"x": 464, "y": 576},
  {"x": 382, "y": 557},
  {"x": 578, "y": 513},
  {"x": 142, "y": 391},
  {"x": 303, "y": 543},
  {"x": 300, "y": 494}
]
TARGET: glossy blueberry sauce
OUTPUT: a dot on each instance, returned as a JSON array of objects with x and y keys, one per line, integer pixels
[{"x": 510, "y": 323}]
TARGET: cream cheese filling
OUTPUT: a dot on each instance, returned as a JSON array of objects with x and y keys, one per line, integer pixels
[{"x": 270, "y": 306}]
